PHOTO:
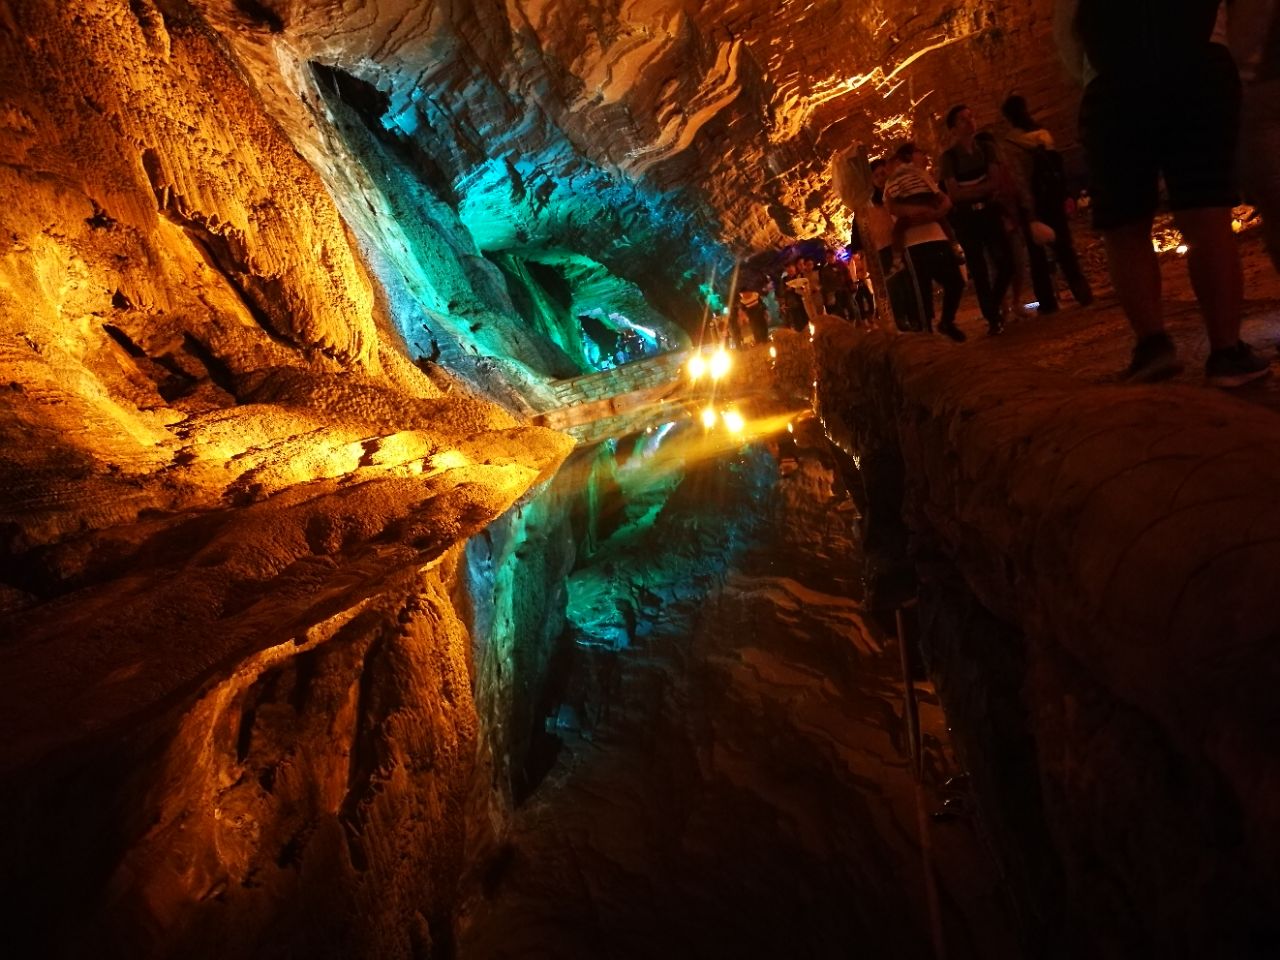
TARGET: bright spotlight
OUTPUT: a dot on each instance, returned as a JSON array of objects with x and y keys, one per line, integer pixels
[
  {"x": 709, "y": 417},
  {"x": 1182, "y": 249},
  {"x": 773, "y": 352},
  {"x": 697, "y": 367},
  {"x": 812, "y": 330},
  {"x": 719, "y": 363},
  {"x": 733, "y": 421},
  {"x": 791, "y": 427}
]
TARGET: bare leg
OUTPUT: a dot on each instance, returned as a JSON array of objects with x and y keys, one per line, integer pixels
[
  {"x": 1135, "y": 273},
  {"x": 1216, "y": 276}
]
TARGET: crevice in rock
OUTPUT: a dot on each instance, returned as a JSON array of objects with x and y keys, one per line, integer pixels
[
  {"x": 261, "y": 14},
  {"x": 218, "y": 371},
  {"x": 122, "y": 338}
]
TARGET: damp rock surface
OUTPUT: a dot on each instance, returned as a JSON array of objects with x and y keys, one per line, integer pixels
[{"x": 737, "y": 780}]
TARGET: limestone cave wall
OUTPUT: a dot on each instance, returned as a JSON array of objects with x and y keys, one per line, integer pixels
[{"x": 280, "y": 283}]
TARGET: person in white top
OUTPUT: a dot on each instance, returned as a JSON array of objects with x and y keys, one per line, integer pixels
[{"x": 929, "y": 257}]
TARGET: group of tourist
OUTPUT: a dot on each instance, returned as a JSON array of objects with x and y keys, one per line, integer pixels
[
  {"x": 1163, "y": 103},
  {"x": 998, "y": 208},
  {"x": 805, "y": 288}
]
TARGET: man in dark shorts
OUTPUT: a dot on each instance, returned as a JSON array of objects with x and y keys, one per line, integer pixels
[{"x": 1163, "y": 99}]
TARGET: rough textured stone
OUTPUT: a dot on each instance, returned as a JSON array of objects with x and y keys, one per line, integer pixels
[
  {"x": 279, "y": 281},
  {"x": 1126, "y": 534}
]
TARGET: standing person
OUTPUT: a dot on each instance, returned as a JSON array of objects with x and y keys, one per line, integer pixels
[
  {"x": 790, "y": 301},
  {"x": 929, "y": 256},
  {"x": 837, "y": 286},
  {"x": 751, "y": 307},
  {"x": 1037, "y": 169},
  {"x": 902, "y": 299},
  {"x": 970, "y": 171},
  {"x": 1254, "y": 27},
  {"x": 811, "y": 289},
  {"x": 862, "y": 299},
  {"x": 1135, "y": 126}
]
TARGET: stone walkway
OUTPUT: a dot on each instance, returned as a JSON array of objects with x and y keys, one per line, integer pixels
[{"x": 1094, "y": 343}]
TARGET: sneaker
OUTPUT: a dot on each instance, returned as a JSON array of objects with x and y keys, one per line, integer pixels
[
  {"x": 1235, "y": 366},
  {"x": 1155, "y": 358}
]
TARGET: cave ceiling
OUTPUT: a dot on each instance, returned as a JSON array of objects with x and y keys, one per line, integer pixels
[
  {"x": 656, "y": 135},
  {"x": 234, "y": 232}
]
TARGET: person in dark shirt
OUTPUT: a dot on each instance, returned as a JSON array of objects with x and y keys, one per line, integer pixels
[
  {"x": 1163, "y": 99},
  {"x": 970, "y": 171},
  {"x": 750, "y": 306},
  {"x": 1040, "y": 175}
]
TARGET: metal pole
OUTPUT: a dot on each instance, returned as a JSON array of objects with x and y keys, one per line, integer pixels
[{"x": 912, "y": 711}]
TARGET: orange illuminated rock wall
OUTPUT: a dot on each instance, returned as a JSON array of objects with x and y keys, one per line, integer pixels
[{"x": 237, "y": 657}]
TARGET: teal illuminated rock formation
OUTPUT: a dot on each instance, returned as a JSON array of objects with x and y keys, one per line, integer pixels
[{"x": 280, "y": 283}]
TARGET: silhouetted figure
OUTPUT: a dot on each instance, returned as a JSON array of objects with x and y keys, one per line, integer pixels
[
  {"x": 791, "y": 304},
  {"x": 1039, "y": 174},
  {"x": 1163, "y": 99},
  {"x": 751, "y": 307}
]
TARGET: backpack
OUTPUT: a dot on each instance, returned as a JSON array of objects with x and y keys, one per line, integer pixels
[{"x": 1048, "y": 180}]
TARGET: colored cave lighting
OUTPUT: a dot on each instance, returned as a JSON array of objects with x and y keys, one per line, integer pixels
[
  {"x": 709, "y": 417},
  {"x": 720, "y": 363}
]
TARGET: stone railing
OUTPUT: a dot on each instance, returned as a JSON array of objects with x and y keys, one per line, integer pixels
[{"x": 1098, "y": 572}]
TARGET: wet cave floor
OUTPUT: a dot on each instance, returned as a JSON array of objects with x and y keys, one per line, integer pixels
[{"x": 732, "y": 777}]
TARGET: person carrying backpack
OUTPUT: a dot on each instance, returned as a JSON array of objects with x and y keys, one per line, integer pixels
[{"x": 1037, "y": 169}]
